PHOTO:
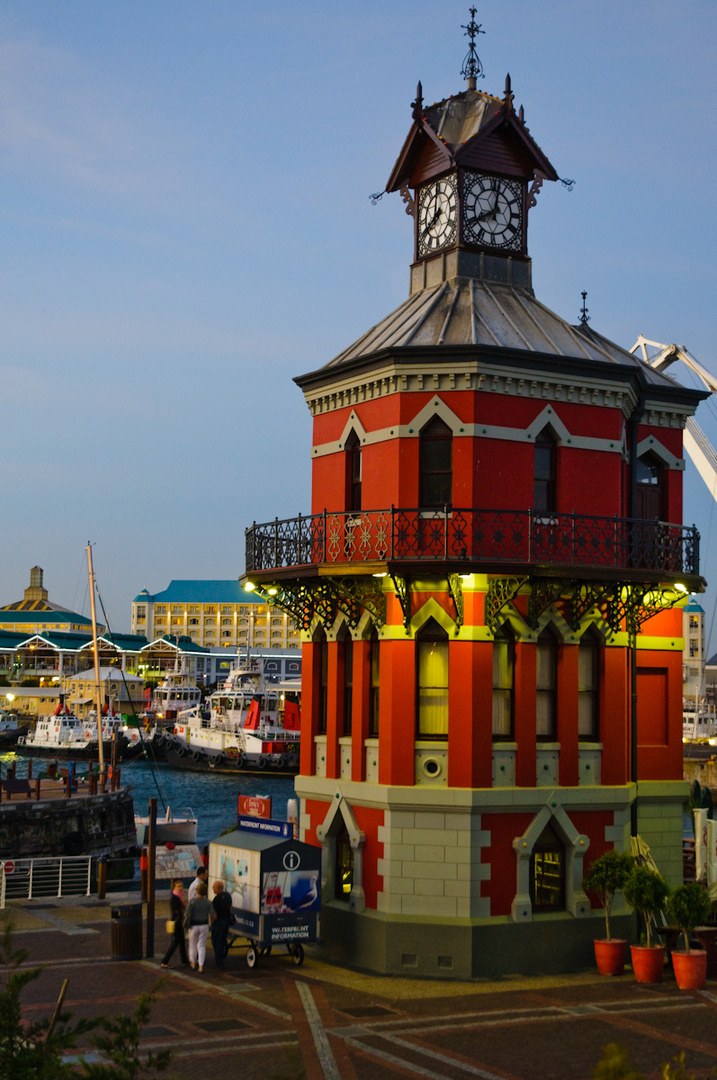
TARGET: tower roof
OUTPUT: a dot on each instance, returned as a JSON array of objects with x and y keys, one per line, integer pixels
[{"x": 486, "y": 316}]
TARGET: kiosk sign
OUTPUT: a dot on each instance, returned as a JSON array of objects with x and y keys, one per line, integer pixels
[{"x": 258, "y": 806}]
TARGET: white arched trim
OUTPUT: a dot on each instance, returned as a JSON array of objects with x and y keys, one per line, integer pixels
[
  {"x": 576, "y": 845},
  {"x": 338, "y": 814}
]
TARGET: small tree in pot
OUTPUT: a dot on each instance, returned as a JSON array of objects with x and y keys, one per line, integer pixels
[
  {"x": 645, "y": 890},
  {"x": 605, "y": 876},
  {"x": 687, "y": 907}
]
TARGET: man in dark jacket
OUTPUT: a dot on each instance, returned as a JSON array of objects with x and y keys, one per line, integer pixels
[{"x": 221, "y": 921}]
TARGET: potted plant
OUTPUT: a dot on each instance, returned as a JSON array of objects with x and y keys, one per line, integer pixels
[
  {"x": 645, "y": 891},
  {"x": 605, "y": 876},
  {"x": 687, "y": 907}
]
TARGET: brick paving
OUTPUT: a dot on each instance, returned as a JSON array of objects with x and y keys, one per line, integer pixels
[{"x": 280, "y": 1022}]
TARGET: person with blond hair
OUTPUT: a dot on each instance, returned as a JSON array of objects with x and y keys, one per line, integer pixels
[{"x": 176, "y": 908}]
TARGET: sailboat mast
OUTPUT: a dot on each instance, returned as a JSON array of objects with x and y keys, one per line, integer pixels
[{"x": 96, "y": 651}]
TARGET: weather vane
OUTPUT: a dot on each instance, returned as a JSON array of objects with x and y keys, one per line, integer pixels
[
  {"x": 584, "y": 317},
  {"x": 472, "y": 68}
]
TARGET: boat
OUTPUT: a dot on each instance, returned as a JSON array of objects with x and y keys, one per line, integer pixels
[
  {"x": 176, "y": 693},
  {"x": 64, "y": 735},
  {"x": 170, "y": 829},
  {"x": 252, "y": 724},
  {"x": 699, "y": 720},
  {"x": 9, "y": 728}
]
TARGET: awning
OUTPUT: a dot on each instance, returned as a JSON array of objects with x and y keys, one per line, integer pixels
[{"x": 79, "y": 701}]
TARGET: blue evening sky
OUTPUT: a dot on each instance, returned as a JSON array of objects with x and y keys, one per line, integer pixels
[{"x": 186, "y": 226}]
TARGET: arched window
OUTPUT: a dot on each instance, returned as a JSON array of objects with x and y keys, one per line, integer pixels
[
  {"x": 544, "y": 473},
  {"x": 323, "y": 697},
  {"x": 432, "y": 678},
  {"x": 374, "y": 691},
  {"x": 588, "y": 687},
  {"x": 435, "y": 464},
  {"x": 547, "y": 872},
  {"x": 649, "y": 487},
  {"x": 347, "y": 653},
  {"x": 503, "y": 683},
  {"x": 353, "y": 472},
  {"x": 344, "y": 867},
  {"x": 546, "y": 685}
]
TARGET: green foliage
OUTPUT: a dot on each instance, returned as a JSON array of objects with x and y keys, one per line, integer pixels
[
  {"x": 700, "y": 798},
  {"x": 29, "y": 1051},
  {"x": 605, "y": 876},
  {"x": 35, "y": 1051},
  {"x": 688, "y": 906},
  {"x": 615, "y": 1065},
  {"x": 645, "y": 890},
  {"x": 120, "y": 1045}
]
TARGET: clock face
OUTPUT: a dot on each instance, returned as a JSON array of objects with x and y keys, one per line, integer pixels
[
  {"x": 437, "y": 215},
  {"x": 492, "y": 211}
]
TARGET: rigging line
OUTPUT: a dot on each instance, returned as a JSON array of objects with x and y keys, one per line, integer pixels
[{"x": 160, "y": 790}]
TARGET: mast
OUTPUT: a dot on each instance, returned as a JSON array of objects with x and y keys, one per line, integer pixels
[{"x": 96, "y": 651}]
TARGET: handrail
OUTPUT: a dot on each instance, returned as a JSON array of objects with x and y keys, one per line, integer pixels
[{"x": 452, "y": 534}]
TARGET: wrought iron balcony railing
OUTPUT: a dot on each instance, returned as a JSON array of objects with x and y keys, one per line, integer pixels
[{"x": 516, "y": 537}]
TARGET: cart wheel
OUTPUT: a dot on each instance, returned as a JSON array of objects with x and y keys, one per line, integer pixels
[
  {"x": 252, "y": 957},
  {"x": 266, "y": 951},
  {"x": 297, "y": 954}
]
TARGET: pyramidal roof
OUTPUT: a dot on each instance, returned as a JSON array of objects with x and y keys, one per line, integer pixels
[{"x": 472, "y": 312}]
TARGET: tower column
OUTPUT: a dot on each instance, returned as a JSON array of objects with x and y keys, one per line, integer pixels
[
  {"x": 360, "y": 712},
  {"x": 397, "y": 713},
  {"x": 470, "y": 701},
  {"x": 525, "y": 706},
  {"x": 310, "y": 690},
  {"x": 568, "y": 696}
]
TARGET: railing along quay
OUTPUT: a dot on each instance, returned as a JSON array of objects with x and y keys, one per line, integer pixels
[{"x": 491, "y": 537}]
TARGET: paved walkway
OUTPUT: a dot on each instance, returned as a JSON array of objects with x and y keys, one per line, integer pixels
[{"x": 280, "y": 1022}]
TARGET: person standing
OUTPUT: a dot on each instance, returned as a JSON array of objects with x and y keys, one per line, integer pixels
[
  {"x": 221, "y": 921},
  {"x": 196, "y": 922},
  {"x": 201, "y": 873},
  {"x": 176, "y": 906}
]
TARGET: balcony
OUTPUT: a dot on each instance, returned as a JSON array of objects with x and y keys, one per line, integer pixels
[{"x": 475, "y": 539}]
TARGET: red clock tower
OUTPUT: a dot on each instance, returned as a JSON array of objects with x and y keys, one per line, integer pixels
[{"x": 487, "y": 581}]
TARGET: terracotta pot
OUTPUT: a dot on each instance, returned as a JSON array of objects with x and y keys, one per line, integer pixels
[
  {"x": 610, "y": 956},
  {"x": 690, "y": 968},
  {"x": 648, "y": 962}
]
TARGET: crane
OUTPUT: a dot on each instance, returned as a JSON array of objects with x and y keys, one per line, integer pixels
[{"x": 695, "y": 441}]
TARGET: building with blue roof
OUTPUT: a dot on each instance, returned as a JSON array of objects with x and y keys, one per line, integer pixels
[{"x": 215, "y": 614}]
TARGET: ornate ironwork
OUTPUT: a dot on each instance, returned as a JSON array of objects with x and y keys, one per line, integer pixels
[
  {"x": 325, "y": 598},
  {"x": 403, "y": 592},
  {"x": 638, "y": 603},
  {"x": 472, "y": 68},
  {"x": 452, "y": 534},
  {"x": 584, "y": 317},
  {"x": 501, "y": 591},
  {"x": 456, "y": 591},
  {"x": 543, "y": 593},
  {"x": 587, "y": 595}
]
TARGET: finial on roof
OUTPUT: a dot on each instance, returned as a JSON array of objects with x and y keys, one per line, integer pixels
[
  {"x": 472, "y": 68},
  {"x": 584, "y": 317},
  {"x": 508, "y": 98},
  {"x": 417, "y": 105}
]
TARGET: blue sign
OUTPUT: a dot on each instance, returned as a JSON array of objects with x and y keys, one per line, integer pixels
[{"x": 282, "y": 830}]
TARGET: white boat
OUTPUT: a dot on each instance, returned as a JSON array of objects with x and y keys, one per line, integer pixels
[
  {"x": 699, "y": 720},
  {"x": 252, "y": 723},
  {"x": 64, "y": 735},
  {"x": 177, "y": 692},
  {"x": 9, "y": 728},
  {"x": 170, "y": 829}
]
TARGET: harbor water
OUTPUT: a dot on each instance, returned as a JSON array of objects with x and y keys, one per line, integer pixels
[{"x": 212, "y": 797}]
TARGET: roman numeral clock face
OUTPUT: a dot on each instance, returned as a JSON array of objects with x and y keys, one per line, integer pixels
[
  {"x": 437, "y": 216},
  {"x": 492, "y": 212}
]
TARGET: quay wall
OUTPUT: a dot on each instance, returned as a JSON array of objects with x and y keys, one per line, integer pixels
[{"x": 101, "y": 824}]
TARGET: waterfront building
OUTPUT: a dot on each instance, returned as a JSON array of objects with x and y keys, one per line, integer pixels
[
  {"x": 488, "y": 584},
  {"x": 37, "y": 614},
  {"x": 694, "y": 655},
  {"x": 214, "y": 614}
]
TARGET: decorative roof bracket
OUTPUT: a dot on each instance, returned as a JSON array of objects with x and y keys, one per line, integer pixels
[
  {"x": 403, "y": 592},
  {"x": 501, "y": 591},
  {"x": 456, "y": 591}
]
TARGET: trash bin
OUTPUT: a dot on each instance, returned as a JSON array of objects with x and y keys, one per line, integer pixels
[{"x": 127, "y": 932}]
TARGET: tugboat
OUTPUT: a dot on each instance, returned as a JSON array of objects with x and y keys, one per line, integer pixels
[
  {"x": 9, "y": 729},
  {"x": 253, "y": 724},
  {"x": 64, "y": 735}
]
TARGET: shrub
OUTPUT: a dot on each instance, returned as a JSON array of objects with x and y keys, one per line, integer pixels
[{"x": 605, "y": 876}]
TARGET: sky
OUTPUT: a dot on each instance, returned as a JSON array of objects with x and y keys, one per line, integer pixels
[{"x": 186, "y": 226}]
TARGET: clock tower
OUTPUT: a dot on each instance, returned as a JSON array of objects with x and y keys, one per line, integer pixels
[
  {"x": 492, "y": 652},
  {"x": 469, "y": 171}
]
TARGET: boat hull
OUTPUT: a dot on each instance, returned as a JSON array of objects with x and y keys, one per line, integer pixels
[
  {"x": 88, "y": 752},
  {"x": 179, "y": 756}
]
